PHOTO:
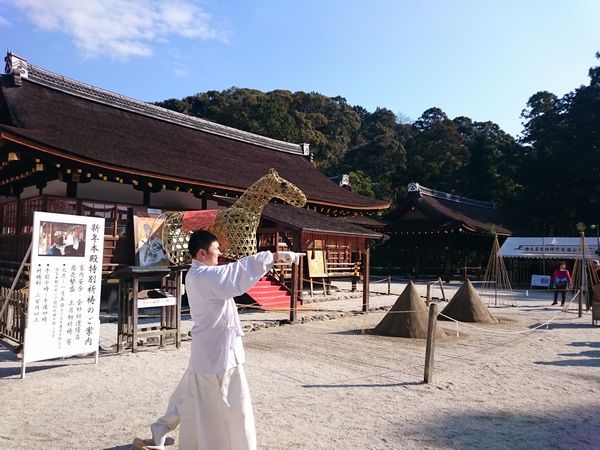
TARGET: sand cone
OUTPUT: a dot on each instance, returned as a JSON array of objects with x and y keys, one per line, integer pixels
[
  {"x": 467, "y": 306},
  {"x": 412, "y": 324}
]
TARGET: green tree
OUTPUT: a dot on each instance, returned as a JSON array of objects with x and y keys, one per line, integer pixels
[
  {"x": 436, "y": 152},
  {"x": 361, "y": 183},
  {"x": 379, "y": 153}
]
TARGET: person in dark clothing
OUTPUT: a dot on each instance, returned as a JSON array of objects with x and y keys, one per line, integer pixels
[{"x": 561, "y": 281}]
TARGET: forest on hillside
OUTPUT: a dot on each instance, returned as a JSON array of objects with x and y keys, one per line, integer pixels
[{"x": 544, "y": 183}]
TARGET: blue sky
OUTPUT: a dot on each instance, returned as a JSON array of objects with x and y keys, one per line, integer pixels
[{"x": 481, "y": 59}]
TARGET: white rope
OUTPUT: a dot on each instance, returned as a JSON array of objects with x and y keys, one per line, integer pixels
[{"x": 529, "y": 330}]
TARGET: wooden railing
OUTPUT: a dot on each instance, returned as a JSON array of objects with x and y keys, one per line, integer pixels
[
  {"x": 343, "y": 269},
  {"x": 12, "y": 322}
]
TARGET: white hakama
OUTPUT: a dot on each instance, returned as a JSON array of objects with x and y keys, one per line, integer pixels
[
  {"x": 212, "y": 404},
  {"x": 215, "y": 411}
]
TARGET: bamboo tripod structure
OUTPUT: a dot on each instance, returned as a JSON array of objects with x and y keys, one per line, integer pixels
[
  {"x": 584, "y": 279},
  {"x": 496, "y": 280}
]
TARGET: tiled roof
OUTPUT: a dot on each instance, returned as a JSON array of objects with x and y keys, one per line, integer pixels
[
  {"x": 446, "y": 211},
  {"x": 309, "y": 220},
  {"x": 71, "y": 120}
]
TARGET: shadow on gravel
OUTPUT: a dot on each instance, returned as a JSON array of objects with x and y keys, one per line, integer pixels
[
  {"x": 558, "y": 326},
  {"x": 564, "y": 429},
  {"x": 585, "y": 344},
  {"x": 6, "y": 372},
  {"x": 368, "y": 385},
  {"x": 587, "y": 358}
]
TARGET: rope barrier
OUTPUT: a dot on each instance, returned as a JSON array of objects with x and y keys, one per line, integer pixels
[
  {"x": 469, "y": 355},
  {"x": 529, "y": 330},
  {"x": 466, "y": 324},
  {"x": 285, "y": 309}
]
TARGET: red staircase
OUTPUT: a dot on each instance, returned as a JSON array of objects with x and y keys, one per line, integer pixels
[{"x": 269, "y": 292}]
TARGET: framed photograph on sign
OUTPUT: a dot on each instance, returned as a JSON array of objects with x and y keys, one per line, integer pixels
[
  {"x": 149, "y": 250},
  {"x": 61, "y": 239}
]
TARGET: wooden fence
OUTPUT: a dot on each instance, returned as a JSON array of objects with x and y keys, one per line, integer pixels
[{"x": 12, "y": 322}]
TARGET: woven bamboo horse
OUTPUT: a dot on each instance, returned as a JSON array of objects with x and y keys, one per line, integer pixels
[{"x": 235, "y": 227}]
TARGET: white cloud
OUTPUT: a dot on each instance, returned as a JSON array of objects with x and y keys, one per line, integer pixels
[{"x": 118, "y": 28}]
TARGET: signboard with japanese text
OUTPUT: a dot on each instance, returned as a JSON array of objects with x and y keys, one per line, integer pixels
[
  {"x": 540, "y": 281},
  {"x": 316, "y": 263},
  {"x": 64, "y": 293}
]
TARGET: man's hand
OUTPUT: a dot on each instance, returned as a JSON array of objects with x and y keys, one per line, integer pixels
[{"x": 287, "y": 257}]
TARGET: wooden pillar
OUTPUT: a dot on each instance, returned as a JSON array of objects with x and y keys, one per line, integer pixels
[
  {"x": 178, "y": 295},
  {"x": 366, "y": 263},
  {"x": 40, "y": 185},
  {"x": 417, "y": 262},
  {"x": 121, "y": 296},
  {"x": 146, "y": 200},
  {"x": 294, "y": 296},
  {"x": 448, "y": 270},
  {"x": 71, "y": 189},
  {"x": 18, "y": 214},
  {"x": 300, "y": 278},
  {"x": 134, "y": 305},
  {"x": 15, "y": 190},
  {"x": 204, "y": 202},
  {"x": 430, "y": 346}
]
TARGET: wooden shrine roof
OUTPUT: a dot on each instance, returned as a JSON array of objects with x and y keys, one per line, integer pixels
[
  {"x": 430, "y": 210},
  {"x": 69, "y": 121},
  {"x": 364, "y": 221},
  {"x": 307, "y": 220}
]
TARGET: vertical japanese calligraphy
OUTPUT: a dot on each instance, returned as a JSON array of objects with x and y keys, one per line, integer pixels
[{"x": 64, "y": 294}]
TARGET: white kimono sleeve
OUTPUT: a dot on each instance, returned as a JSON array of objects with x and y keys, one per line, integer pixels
[{"x": 236, "y": 278}]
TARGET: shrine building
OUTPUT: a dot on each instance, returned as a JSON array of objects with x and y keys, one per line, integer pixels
[
  {"x": 68, "y": 147},
  {"x": 434, "y": 233}
]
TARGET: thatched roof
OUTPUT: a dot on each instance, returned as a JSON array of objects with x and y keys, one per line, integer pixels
[
  {"x": 307, "y": 220},
  {"x": 66, "y": 120},
  {"x": 426, "y": 209}
]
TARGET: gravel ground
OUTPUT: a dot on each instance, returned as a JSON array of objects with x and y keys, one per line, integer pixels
[{"x": 329, "y": 384}]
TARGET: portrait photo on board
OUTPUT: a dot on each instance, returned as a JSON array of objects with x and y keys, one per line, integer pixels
[
  {"x": 61, "y": 239},
  {"x": 149, "y": 249}
]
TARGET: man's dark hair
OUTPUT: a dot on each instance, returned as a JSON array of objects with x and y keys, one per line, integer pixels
[{"x": 200, "y": 239}]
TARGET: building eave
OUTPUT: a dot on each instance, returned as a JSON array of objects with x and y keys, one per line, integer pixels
[
  {"x": 89, "y": 92},
  {"x": 12, "y": 136}
]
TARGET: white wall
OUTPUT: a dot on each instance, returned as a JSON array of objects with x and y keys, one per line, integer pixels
[
  {"x": 178, "y": 200},
  {"x": 109, "y": 192},
  {"x": 105, "y": 191}
]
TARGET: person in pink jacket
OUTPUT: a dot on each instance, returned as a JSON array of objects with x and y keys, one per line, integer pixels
[{"x": 561, "y": 281}]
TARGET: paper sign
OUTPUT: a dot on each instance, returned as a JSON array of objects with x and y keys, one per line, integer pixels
[{"x": 63, "y": 313}]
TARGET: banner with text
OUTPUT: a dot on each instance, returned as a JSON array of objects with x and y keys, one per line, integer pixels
[{"x": 63, "y": 314}]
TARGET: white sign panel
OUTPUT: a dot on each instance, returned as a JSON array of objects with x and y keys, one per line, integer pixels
[
  {"x": 63, "y": 315},
  {"x": 540, "y": 281},
  {"x": 549, "y": 247},
  {"x": 155, "y": 302}
]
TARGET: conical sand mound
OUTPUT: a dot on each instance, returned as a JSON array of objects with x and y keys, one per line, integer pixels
[
  {"x": 411, "y": 324},
  {"x": 467, "y": 306}
]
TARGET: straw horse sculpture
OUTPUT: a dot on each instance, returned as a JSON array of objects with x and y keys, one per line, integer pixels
[{"x": 235, "y": 227}]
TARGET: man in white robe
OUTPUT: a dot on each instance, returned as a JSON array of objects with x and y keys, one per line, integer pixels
[{"x": 212, "y": 401}]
